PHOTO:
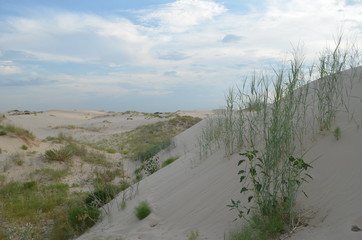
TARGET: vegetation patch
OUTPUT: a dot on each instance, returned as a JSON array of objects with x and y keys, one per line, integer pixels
[
  {"x": 142, "y": 210},
  {"x": 146, "y": 141},
  {"x": 12, "y": 130},
  {"x": 168, "y": 161}
]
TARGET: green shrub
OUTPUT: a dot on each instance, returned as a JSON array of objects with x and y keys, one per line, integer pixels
[
  {"x": 83, "y": 217},
  {"x": 24, "y": 147},
  {"x": 168, "y": 161},
  {"x": 142, "y": 210},
  {"x": 99, "y": 197},
  {"x": 2, "y": 133}
]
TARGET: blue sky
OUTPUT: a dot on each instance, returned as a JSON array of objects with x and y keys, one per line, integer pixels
[{"x": 153, "y": 55}]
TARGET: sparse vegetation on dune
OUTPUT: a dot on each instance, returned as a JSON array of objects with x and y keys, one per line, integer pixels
[
  {"x": 12, "y": 130},
  {"x": 146, "y": 141},
  {"x": 275, "y": 115}
]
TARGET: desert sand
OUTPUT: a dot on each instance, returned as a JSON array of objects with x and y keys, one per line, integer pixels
[{"x": 191, "y": 194}]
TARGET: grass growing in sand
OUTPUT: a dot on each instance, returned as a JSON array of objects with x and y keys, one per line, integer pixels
[
  {"x": 142, "y": 210},
  {"x": 271, "y": 114},
  {"x": 12, "y": 130},
  {"x": 146, "y": 141}
]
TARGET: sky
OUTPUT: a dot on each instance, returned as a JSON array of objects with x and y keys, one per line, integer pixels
[{"x": 153, "y": 55}]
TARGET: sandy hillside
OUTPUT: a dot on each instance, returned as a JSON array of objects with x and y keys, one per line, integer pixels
[
  {"x": 192, "y": 194},
  {"x": 84, "y": 126}
]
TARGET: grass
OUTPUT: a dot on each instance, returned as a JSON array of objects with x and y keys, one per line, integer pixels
[
  {"x": 63, "y": 154},
  {"x": 49, "y": 175},
  {"x": 269, "y": 112},
  {"x": 146, "y": 141},
  {"x": 337, "y": 133},
  {"x": 142, "y": 210},
  {"x": 24, "y": 147},
  {"x": 193, "y": 235},
  {"x": 10, "y": 129},
  {"x": 168, "y": 161}
]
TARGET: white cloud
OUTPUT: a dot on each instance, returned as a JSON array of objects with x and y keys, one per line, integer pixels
[
  {"x": 8, "y": 68},
  {"x": 181, "y": 15}
]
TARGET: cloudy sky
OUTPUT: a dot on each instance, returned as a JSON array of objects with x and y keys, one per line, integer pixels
[{"x": 153, "y": 55}]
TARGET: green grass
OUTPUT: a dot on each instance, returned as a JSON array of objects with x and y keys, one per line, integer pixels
[
  {"x": 49, "y": 175},
  {"x": 16, "y": 131},
  {"x": 193, "y": 235},
  {"x": 24, "y": 147},
  {"x": 142, "y": 210},
  {"x": 168, "y": 161},
  {"x": 268, "y": 112},
  {"x": 63, "y": 154},
  {"x": 145, "y": 141},
  {"x": 337, "y": 133}
]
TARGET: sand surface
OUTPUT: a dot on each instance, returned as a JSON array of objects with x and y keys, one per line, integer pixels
[{"x": 192, "y": 194}]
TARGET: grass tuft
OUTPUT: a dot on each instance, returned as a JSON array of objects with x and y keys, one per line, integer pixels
[{"x": 142, "y": 210}]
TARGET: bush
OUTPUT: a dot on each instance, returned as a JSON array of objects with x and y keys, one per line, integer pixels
[
  {"x": 142, "y": 210},
  {"x": 83, "y": 217},
  {"x": 102, "y": 196},
  {"x": 152, "y": 165}
]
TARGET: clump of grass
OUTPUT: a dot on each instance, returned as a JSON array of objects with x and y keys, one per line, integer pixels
[
  {"x": 169, "y": 161},
  {"x": 63, "y": 154},
  {"x": 24, "y": 147},
  {"x": 337, "y": 133},
  {"x": 142, "y": 210},
  {"x": 193, "y": 235},
  {"x": 22, "y": 133}
]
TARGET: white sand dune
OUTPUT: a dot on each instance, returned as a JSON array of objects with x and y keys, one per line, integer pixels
[{"x": 192, "y": 195}]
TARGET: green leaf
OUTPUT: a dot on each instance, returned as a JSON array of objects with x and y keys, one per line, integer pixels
[
  {"x": 241, "y": 171},
  {"x": 242, "y": 178},
  {"x": 258, "y": 186},
  {"x": 241, "y": 161},
  {"x": 250, "y": 198},
  {"x": 252, "y": 172},
  {"x": 244, "y": 189}
]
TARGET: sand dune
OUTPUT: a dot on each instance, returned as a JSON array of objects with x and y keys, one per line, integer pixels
[{"x": 192, "y": 194}]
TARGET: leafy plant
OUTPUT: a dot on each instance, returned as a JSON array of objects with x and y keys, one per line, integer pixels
[
  {"x": 83, "y": 217},
  {"x": 272, "y": 190},
  {"x": 142, "y": 210},
  {"x": 152, "y": 165}
]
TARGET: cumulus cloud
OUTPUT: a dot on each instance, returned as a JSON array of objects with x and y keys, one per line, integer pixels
[{"x": 199, "y": 41}]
